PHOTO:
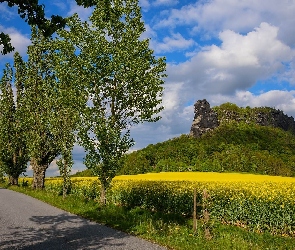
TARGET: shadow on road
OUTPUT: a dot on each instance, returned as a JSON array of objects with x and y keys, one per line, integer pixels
[{"x": 64, "y": 231}]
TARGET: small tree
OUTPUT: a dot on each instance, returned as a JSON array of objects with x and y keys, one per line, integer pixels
[
  {"x": 124, "y": 81},
  {"x": 13, "y": 150}
]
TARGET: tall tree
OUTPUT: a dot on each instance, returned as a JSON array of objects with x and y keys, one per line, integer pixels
[
  {"x": 53, "y": 100},
  {"x": 70, "y": 99},
  {"x": 39, "y": 107},
  {"x": 124, "y": 81},
  {"x": 13, "y": 150}
]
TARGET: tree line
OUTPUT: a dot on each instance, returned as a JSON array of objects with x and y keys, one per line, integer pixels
[{"x": 88, "y": 84}]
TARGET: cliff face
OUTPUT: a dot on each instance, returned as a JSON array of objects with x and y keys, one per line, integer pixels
[
  {"x": 277, "y": 119},
  {"x": 206, "y": 118}
]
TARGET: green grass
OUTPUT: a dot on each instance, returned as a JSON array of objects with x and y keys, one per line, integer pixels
[{"x": 172, "y": 231}]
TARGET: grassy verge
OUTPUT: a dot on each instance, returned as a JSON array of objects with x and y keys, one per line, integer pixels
[{"x": 174, "y": 232}]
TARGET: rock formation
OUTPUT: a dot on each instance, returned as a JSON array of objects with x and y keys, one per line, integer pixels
[
  {"x": 206, "y": 119},
  {"x": 276, "y": 118}
]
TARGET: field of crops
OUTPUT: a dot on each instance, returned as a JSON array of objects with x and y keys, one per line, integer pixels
[{"x": 258, "y": 202}]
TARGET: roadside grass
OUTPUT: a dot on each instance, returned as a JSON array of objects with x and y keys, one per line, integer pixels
[{"x": 172, "y": 231}]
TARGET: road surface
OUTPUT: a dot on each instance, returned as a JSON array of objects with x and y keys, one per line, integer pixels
[{"x": 27, "y": 223}]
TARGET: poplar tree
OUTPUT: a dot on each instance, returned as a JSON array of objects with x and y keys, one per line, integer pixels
[
  {"x": 39, "y": 107},
  {"x": 13, "y": 150},
  {"x": 53, "y": 104},
  {"x": 123, "y": 79},
  {"x": 70, "y": 99}
]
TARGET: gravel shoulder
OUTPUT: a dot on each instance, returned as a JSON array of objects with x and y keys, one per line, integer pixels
[{"x": 27, "y": 223}]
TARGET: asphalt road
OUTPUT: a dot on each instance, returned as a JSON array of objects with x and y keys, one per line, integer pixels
[{"x": 27, "y": 223}]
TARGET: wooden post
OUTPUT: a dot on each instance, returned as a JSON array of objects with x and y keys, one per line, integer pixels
[
  {"x": 206, "y": 215},
  {"x": 195, "y": 211}
]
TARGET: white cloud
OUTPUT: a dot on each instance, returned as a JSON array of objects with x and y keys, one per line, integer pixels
[
  {"x": 175, "y": 42},
  {"x": 82, "y": 12},
  {"x": 52, "y": 170},
  {"x": 148, "y": 33},
  {"x": 188, "y": 14},
  {"x": 18, "y": 40},
  {"x": 61, "y": 5},
  {"x": 144, "y": 4},
  {"x": 284, "y": 100},
  {"x": 147, "y": 4},
  {"x": 176, "y": 119},
  {"x": 279, "y": 99},
  {"x": 289, "y": 74},
  {"x": 7, "y": 13},
  {"x": 209, "y": 17},
  {"x": 165, "y": 2},
  {"x": 171, "y": 96},
  {"x": 149, "y": 133},
  {"x": 259, "y": 48},
  {"x": 238, "y": 63}
]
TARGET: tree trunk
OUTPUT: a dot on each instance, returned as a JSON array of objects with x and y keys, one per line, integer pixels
[
  {"x": 103, "y": 194},
  {"x": 65, "y": 179},
  {"x": 38, "y": 175},
  {"x": 13, "y": 180}
]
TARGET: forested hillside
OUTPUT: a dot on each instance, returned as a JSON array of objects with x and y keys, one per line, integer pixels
[{"x": 232, "y": 146}]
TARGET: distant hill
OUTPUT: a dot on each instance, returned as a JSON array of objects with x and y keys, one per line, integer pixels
[{"x": 237, "y": 143}]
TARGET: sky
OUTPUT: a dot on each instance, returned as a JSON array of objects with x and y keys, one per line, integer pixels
[{"x": 239, "y": 51}]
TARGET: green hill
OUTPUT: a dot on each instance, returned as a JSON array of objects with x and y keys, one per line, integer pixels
[
  {"x": 84, "y": 173},
  {"x": 234, "y": 146}
]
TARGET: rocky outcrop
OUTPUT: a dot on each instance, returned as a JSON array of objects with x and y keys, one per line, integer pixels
[
  {"x": 276, "y": 118},
  {"x": 206, "y": 119}
]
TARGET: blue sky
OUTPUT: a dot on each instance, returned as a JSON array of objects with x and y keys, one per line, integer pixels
[{"x": 240, "y": 51}]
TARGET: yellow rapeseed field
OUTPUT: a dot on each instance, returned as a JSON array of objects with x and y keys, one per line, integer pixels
[
  {"x": 205, "y": 177},
  {"x": 260, "y": 202}
]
